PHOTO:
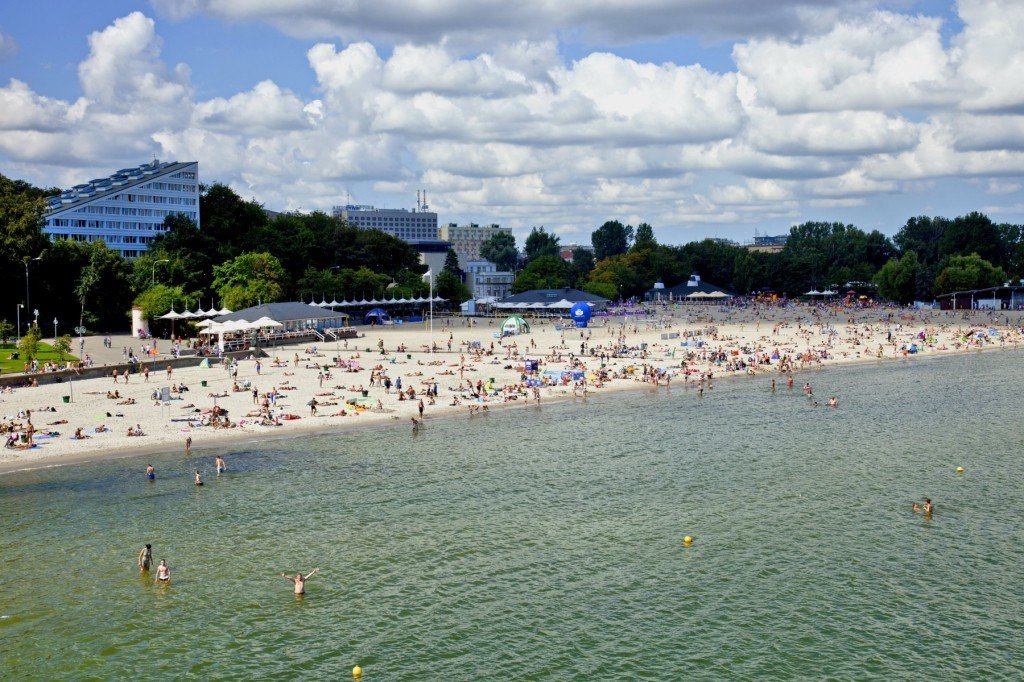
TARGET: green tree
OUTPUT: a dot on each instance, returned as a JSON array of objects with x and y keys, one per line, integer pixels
[
  {"x": 451, "y": 264},
  {"x": 159, "y": 299},
  {"x": 6, "y": 331},
  {"x": 922, "y": 236},
  {"x": 622, "y": 273},
  {"x": 541, "y": 243},
  {"x": 500, "y": 249},
  {"x": 973, "y": 233},
  {"x": 582, "y": 264},
  {"x": 746, "y": 274},
  {"x": 63, "y": 347},
  {"x": 544, "y": 272},
  {"x": 644, "y": 236},
  {"x": 603, "y": 289},
  {"x": 447, "y": 285},
  {"x": 611, "y": 239},
  {"x": 961, "y": 273},
  {"x": 897, "y": 280},
  {"x": 249, "y": 278},
  {"x": 29, "y": 344}
]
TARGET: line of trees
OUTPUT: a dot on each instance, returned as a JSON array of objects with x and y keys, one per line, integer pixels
[
  {"x": 926, "y": 257},
  {"x": 242, "y": 255}
]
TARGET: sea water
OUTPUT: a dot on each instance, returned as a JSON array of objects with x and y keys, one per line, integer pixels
[{"x": 546, "y": 543}]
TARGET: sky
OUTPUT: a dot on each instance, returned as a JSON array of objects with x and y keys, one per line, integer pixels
[{"x": 704, "y": 118}]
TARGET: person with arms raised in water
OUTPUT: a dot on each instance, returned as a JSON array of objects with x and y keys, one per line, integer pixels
[{"x": 300, "y": 580}]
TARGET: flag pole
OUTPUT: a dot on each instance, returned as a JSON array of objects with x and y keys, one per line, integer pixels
[{"x": 431, "y": 311}]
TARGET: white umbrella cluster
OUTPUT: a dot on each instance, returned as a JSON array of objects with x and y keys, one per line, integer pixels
[
  {"x": 211, "y": 327},
  {"x": 189, "y": 315}
]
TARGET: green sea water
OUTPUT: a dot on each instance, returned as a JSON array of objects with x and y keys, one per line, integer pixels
[{"x": 546, "y": 543}]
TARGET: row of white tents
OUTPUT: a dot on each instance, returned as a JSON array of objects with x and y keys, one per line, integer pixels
[
  {"x": 188, "y": 315},
  {"x": 564, "y": 304},
  {"x": 384, "y": 301}
]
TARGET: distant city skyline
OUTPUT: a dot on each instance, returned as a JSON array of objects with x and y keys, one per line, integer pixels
[{"x": 702, "y": 119}]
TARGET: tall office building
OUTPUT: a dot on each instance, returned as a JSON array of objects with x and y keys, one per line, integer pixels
[
  {"x": 127, "y": 209},
  {"x": 467, "y": 239},
  {"x": 411, "y": 226}
]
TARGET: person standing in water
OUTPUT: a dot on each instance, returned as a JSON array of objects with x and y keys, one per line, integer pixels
[
  {"x": 199, "y": 479},
  {"x": 163, "y": 573},
  {"x": 221, "y": 465},
  {"x": 300, "y": 580},
  {"x": 150, "y": 472},
  {"x": 188, "y": 445},
  {"x": 145, "y": 558}
]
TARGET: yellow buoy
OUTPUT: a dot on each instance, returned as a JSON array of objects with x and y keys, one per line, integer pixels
[
  {"x": 959, "y": 470},
  {"x": 357, "y": 671},
  {"x": 687, "y": 541}
]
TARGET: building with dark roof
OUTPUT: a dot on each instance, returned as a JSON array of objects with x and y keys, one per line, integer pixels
[
  {"x": 693, "y": 290},
  {"x": 293, "y": 315},
  {"x": 551, "y": 299},
  {"x": 127, "y": 209}
]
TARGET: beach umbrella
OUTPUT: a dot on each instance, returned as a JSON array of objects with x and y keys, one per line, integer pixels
[
  {"x": 206, "y": 323},
  {"x": 266, "y": 322},
  {"x": 224, "y": 311},
  {"x": 171, "y": 316}
]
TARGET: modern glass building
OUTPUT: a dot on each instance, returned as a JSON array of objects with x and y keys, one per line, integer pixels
[{"x": 127, "y": 209}]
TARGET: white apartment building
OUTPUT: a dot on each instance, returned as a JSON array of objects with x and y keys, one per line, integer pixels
[
  {"x": 410, "y": 226},
  {"x": 466, "y": 240},
  {"x": 127, "y": 209}
]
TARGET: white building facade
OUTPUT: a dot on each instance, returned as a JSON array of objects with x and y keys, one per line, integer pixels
[
  {"x": 127, "y": 209},
  {"x": 485, "y": 280},
  {"x": 410, "y": 226},
  {"x": 467, "y": 239}
]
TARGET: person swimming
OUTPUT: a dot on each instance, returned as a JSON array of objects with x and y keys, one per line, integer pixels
[
  {"x": 199, "y": 479},
  {"x": 150, "y": 472}
]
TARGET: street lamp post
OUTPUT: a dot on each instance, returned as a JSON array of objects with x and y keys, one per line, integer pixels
[
  {"x": 152, "y": 275},
  {"x": 18, "y": 313},
  {"x": 55, "y": 331},
  {"x": 28, "y": 294}
]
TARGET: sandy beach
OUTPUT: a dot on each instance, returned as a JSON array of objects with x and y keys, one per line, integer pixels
[{"x": 473, "y": 370}]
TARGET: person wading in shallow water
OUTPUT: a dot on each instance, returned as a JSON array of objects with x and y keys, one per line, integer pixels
[{"x": 300, "y": 580}]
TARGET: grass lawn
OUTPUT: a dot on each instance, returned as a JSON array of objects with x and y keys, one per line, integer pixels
[{"x": 46, "y": 354}]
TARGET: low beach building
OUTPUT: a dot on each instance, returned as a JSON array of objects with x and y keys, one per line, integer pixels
[
  {"x": 293, "y": 316},
  {"x": 694, "y": 290},
  {"x": 554, "y": 301}
]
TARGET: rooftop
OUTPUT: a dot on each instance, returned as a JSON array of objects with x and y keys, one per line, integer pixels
[{"x": 118, "y": 182}]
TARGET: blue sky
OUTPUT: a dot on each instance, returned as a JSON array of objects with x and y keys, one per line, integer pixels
[{"x": 703, "y": 119}]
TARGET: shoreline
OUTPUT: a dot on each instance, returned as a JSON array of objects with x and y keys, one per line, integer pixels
[
  {"x": 235, "y": 438},
  {"x": 165, "y": 436}
]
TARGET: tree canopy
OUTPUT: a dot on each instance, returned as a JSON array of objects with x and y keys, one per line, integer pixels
[
  {"x": 500, "y": 249},
  {"x": 540, "y": 243},
  {"x": 612, "y": 239}
]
